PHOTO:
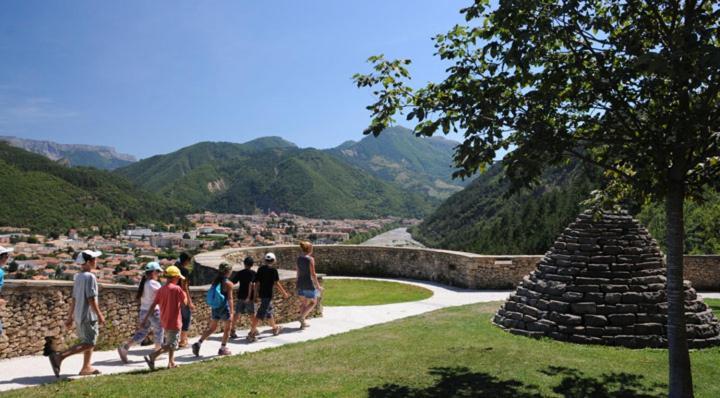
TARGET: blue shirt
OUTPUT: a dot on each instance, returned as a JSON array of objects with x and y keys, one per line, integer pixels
[{"x": 2, "y": 278}]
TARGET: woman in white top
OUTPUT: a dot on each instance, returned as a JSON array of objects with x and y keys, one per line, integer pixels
[{"x": 149, "y": 285}]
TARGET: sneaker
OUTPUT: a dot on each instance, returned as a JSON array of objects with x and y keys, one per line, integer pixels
[
  {"x": 304, "y": 325},
  {"x": 123, "y": 352},
  {"x": 55, "y": 363},
  {"x": 233, "y": 335},
  {"x": 196, "y": 349},
  {"x": 252, "y": 337},
  {"x": 150, "y": 362},
  {"x": 224, "y": 351}
]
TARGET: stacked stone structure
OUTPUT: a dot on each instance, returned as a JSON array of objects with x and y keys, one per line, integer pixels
[{"x": 603, "y": 282}]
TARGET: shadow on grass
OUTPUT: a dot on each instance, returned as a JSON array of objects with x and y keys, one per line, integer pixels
[{"x": 462, "y": 382}]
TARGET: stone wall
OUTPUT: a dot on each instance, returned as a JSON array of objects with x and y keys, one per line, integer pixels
[
  {"x": 37, "y": 310},
  {"x": 447, "y": 267},
  {"x": 703, "y": 272}
]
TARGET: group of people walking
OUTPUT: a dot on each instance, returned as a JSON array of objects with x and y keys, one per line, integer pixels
[{"x": 166, "y": 310}]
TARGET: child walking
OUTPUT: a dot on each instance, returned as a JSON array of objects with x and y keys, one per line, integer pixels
[
  {"x": 170, "y": 298},
  {"x": 245, "y": 303},
  {"x": 220, "y": 311},
  {"x": 265, "y": 279},
  {"x": 183, "y": 262},
  {"x": 147, "y": 290},
  {"x": 307, "y": 282},
  {"x": 85, "y": 313},
  {"x": 4, "y": 256}
]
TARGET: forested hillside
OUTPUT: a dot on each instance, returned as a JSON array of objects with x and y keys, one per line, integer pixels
[{"x": 45, "y": 196}]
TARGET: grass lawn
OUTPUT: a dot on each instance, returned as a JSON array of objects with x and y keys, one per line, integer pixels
[
  {"x": 454, "y": 352},
  {"x": 343, "y": 292}
]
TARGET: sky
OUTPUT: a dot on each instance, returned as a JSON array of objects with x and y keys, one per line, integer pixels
[{"x": 150, "y": 77}]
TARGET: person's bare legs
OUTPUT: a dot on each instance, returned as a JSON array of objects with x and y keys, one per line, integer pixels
[
  {"x": 210, "y": 330},
  {"x": 307, "y": 307},
  {"x": 171, "y": 359},
  {"x": 226, "y": 331},
  {"x": 87, "y": 359}
]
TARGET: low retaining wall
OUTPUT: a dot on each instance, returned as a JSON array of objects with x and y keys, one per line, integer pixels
[
  {"x": 38, "y": 309},
  {"x": 447, "y": 267},
  {"x": 452, "y": 268}
]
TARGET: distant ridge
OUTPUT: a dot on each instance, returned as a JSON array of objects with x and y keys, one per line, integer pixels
[{"x": 100, "y": 157}]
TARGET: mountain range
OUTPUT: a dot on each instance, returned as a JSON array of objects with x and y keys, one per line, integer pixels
[
  {"x": 100, "y": 157},
  {"x": 45, "y": 196},
  {"x": 272, "y": 174}
]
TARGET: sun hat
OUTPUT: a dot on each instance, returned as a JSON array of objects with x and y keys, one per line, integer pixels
[
  {"x": 173, "y": 271},
  {"x": 4, "y": 250},
  {"x": 224, "y": 267},
  {"x": 270, "y": 257},
  {"x": 80, "y": 259},
  {"x": 153, "y": 266}
]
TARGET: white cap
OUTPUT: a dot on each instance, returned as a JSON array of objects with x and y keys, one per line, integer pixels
[
  {"x": 270, "y": 257},
  {"x": 4, "y": 250},
  {"x": 92, "y": 253}
]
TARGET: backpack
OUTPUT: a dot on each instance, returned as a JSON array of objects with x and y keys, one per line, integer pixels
[{"x": 215, "y": 297}]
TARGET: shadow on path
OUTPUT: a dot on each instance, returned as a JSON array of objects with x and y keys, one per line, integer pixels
[{"x": 462, "y": 382}]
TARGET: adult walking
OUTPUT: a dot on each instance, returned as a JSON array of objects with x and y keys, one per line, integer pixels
[{"x": 308, "y": 286}]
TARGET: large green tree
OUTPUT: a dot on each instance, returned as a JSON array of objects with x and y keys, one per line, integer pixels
[{"x": 629, "y": 86}]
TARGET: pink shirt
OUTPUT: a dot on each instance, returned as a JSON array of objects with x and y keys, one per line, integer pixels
[{"x": 170, "y": 298}]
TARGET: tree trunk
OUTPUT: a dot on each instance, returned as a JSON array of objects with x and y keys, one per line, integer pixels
[{"x": 680, "y": 378}]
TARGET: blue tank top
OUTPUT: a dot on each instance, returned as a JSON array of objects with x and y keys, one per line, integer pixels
[{"x": 304, "y": 281}]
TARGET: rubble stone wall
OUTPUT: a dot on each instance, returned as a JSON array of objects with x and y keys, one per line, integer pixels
[
  {"x": 37, "y": 310},
  {"x": 448, "y": 267}
]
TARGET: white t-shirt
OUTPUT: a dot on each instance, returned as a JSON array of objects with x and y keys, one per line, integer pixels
[{"x": 149, "y": 291}]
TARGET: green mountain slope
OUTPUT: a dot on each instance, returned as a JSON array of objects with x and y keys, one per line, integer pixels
[
  {"x": 419, "y": 164},
  {"x": 482, "y": 219},
  {"x": 45, "y": 196},
  {"x": 271, "y": 174}
]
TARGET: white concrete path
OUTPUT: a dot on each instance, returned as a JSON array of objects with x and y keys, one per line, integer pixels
[{"x": 35, "y": 370}]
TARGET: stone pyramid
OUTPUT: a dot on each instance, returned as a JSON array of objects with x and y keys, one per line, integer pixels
[{"x": 603, "y": 282}]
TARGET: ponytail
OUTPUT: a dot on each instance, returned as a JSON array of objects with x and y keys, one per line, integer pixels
[{"x": 141, "y": 286}]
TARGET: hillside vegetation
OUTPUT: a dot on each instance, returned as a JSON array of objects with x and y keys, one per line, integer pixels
[
  {"x": 272, "y": 174},
  {"x": 420, "y": 164},
  {"x": 48, "y": 197},
  {"x": 483, "y": 218}
]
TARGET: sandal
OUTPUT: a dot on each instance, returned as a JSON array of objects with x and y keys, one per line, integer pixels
[
  {"x": 276, "y": 330},
  {"x": 91, "y": 373}
]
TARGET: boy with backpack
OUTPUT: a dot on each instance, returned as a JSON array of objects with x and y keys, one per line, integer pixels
[
  {"x": 220, "y": 300},
  {"x": 265, "y": 279},
  {"x": 245, "y": 303},
  {"x": 170, "y": 298}
]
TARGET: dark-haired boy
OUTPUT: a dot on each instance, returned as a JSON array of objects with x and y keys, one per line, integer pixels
[
  {"x": 245, "y": 304},
  {"x": 183, "y": 263},
  {"x": 265, "y": 279}
]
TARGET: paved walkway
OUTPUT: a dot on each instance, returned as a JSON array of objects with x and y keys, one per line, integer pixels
[
  {"x": 399, "y": 237},
  {"x": 35, "y": 370}
]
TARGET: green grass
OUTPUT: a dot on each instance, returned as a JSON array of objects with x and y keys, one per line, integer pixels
[
  {"x": 344, "y": 292},
  {"x": 454, "y": 352}
]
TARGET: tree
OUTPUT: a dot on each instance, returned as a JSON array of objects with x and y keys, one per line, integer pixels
[{"x": 631, "y": 87}]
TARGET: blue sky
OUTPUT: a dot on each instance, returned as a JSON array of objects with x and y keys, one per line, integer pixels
[{"x": 150, "y": 77}]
